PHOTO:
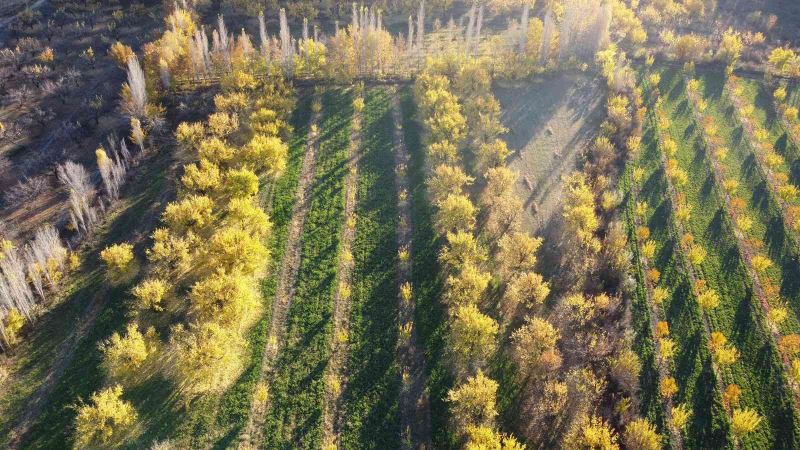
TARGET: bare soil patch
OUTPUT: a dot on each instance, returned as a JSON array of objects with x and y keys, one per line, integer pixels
[{"x": 550, "y": 121}]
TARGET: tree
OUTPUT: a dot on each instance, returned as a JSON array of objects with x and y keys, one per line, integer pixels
[
  {"x": 730, "y": 47},
  {"x": 447, "y": 180},
  {"x": 534, "y": 346},
  {"x": 105, "y": 420},
  {"x": 14, "y": 321},
  {"x": 625, "y": 369},
  {"x": 473, "y": 402},
  {"x": 241, "y": 183},
  {"x": 117, "y": 257},
  {"x": 491, "y": 154},
  {"x": 461, "y": 249},
  {"x": 244, "y": 214},
  {"x": 744, "y": 421},
  {"x": 266, "y": 154},
  {"x": 527, "y": 288},
  {"x": 169, "y": 252},
  {"x": 517, "y": 254},
  {"x": 120, "y": 53},
  {"x": 208, "y": 357},
  {"x": 680, "y": 416},
  {"x": 203, "y": 177},
  {"x": 193, "y": 213},
  {"x": 466, "y": 287},
  {"x": 590, "y": 433},
  {"x": 221, "y": 124},
  {"x": 641, "y": 435},
  {"x": 123, "y": 356},
  {"x": 213, "y": 149},
  {"x": 443, "y": 152},
  {"x": 149, "y": 293},
  {"x": 134, "y": 92},
  {"x": 473, "y": 337},
  {"x": 579, "y": 212},
  {"x": 668, "y": 387},
  {"x": 485, "y": 438},
  {"x": 224, "y": 298},
  {"x": 235, "y": 250},
  {"x": 499, "y": 183},
  {"x": 456, "y": 213},
  {"x": 781, "y": 58}
]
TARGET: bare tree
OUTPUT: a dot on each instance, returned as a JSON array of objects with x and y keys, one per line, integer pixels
[
  {"x": 136, "y": 84},
  {"x": 76, "y": 179}
]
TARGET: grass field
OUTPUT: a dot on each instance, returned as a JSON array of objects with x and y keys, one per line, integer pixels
[
  {"x": 297, "y": 390},
  {"x": 692, "y": 364},
  {"x": 371, "y": 397}
]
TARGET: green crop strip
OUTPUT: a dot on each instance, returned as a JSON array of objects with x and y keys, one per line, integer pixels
[
  {"x": 371, "y": 396},
  {"x": 692, "y": 364},
  {"x": 757, "y": 371},
  {"x": 297, "y": 389},
  {"x": 430, "y": 318}
]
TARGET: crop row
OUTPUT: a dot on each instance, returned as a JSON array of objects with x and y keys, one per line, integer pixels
[
  {"x": 671, "y": 289},
  {"x": 371, "y": 396},
  {"x": 297, "y": 389},
  {"x": 757, "y": 370}
]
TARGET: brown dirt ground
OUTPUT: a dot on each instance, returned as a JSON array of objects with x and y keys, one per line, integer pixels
[{"x": 550, "y": 120}]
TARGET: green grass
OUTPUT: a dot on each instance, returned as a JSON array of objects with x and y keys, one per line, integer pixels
[
  {"x": 758, "y": 371},
  {"x": 53, "y": 427},
  {"x": 297, "y": 390},
  {"x": 692, "y": 364},
  {"x": 371, "y": 397},
  {"x": 430, "y": 314}
]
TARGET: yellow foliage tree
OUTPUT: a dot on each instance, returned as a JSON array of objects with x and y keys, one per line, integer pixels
[
  {"x": 641, "y": 435},
  {"x": 150, "y": 293},
  {"x": 473, "y": 337},
  {"x": 266, "y": 154},
  {"x": 208, "y": 357},
  {"x": 117, "y": 257},
  {"x": 106, "y": 420},
  {"x": 474, "y": 401},
  {"x": 228, "y": 299},
  {"x": 590, "y": 433},
  {"x": 124, "y": 355}
]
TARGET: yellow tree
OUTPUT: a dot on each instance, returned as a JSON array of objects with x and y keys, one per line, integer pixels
[
  {"x": 150, "y": 293},
  {"x": 244, "y": 214},
  {"x": 241, "y": 183},
  {"x": 193, "y": 213},
  {"x": 225, "y": 298},
  {"x": 266, "y": 154},
  {"x": 641, "y": 435},
  {"x": 207, "y": 357},
  {"x": 473, "y": 337},
  {"x": 104, "y": 421},
  {"x": 466, "y": 287},
  {"x": 447, "y": 180},
  {"x": 534, "y": 345},
  {"x": 462, "y": 248},
  {"x": 456, "y": 213},
  {"x": 123, "y": 355},
  {"x": 517, "y": 254},
  {"x": 590, "y": 433},
  {"x": 234, "y": 249},
  {"x": 117, "y": 257},
  {"x": 473, "y": 402},
  {"x": 203, "y": 177}
]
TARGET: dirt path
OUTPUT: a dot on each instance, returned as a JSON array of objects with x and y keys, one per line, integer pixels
[
  {"x": 415, "y": 415},
  {"x": 253, "y": 434},
  {"x": 336, "y": 373}
]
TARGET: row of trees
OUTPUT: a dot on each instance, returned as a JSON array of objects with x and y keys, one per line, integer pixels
[
  {"x": 204, "y": 262},
  {"x": 478, "y": 239}
]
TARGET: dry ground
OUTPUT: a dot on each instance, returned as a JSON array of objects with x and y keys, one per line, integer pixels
[{"x": 550, "y": 120}]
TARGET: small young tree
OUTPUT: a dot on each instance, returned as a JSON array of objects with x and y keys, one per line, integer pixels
[
  {"x": 124, "y": 355},
  {"x": 117, "y": 257}
]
